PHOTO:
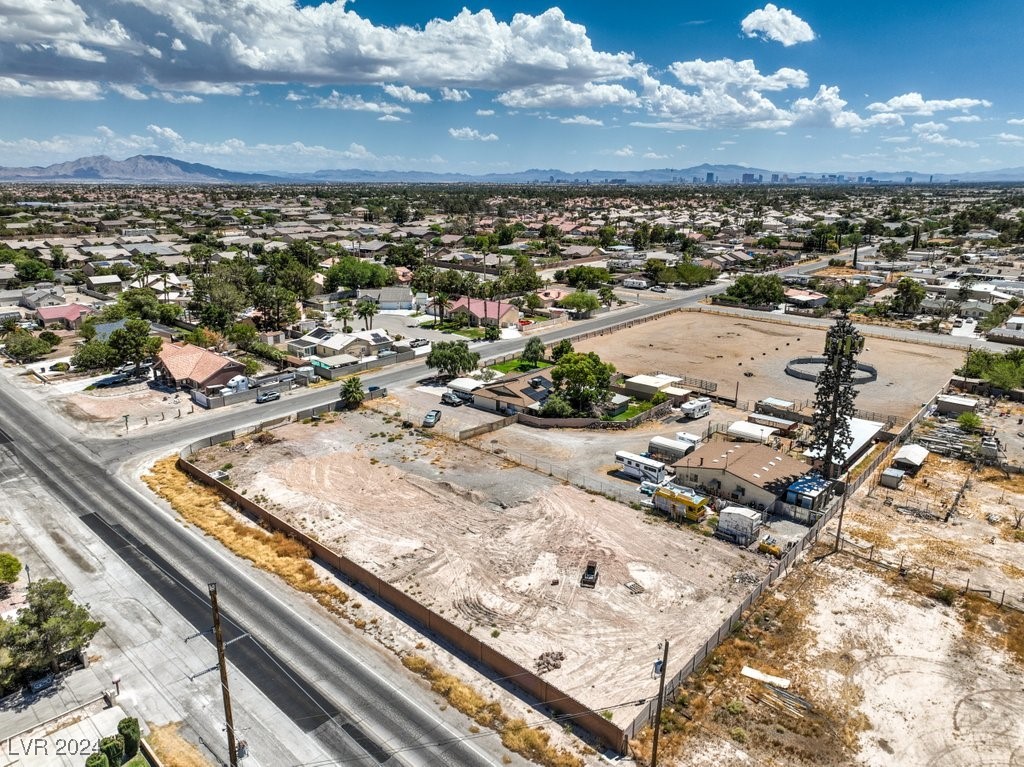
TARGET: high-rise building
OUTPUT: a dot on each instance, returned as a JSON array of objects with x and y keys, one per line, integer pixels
[
  {"x": 710, "y": 178},
  {"x": 775, "y": 178}
]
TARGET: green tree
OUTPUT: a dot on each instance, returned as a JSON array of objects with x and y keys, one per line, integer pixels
[
  {"x": 969, "y": 421},
  {"x": 452, "y": 358},
  {"x": 93, "y": 355},
  {"x": 97, "y": 759},
  {"x": 243, "y": 335},
  {"x": 606, "y": 236},
  {"x": 112, "y": 747},
  {"x": 366, "y": 310},
  {"x": 556, "y": 406},
  {"x": 277, "y": 306},
  {"x": 50, "y": 625},
  {"x": 757, "y": 290},
  {"x": 560, "y": 349},
  {"x": 352, "y": 392},
  {"x": 492, "y": 333},
  {"x": 606, "y": 295},
  {"x": 893, "y": 251},
  {"x": 580, "y": 302},
  {"x": 442, "y": 303},
  {"x": 345, "y": 314},
  {"x": 586, "y": 276},
  {"x": 583, "y": 379},
  {"x": 25, "y": 347},
  {"x": 908, "y": 296},
  {"x": 834, "y": 395},
  {"x": 8, "y": 327},
  {"x": 534, "y": 351},
  {"x": 133, "y": 343},
  {"x": 128, "y": 729},
  {"x": 10, "y": 569},
  {"x": 49, "y": 337}
]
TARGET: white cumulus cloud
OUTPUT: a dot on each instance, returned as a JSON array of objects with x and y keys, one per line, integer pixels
[
  {"x": 778, "y": 24},
  {"x": 1015, "y": 121},
  {"x": 965, "y": 119},
  {"x": 485, "y": 113},
  {"x": 357, "y": 103},
  {"x": 471, "y": 134},
  {"x": 1010, "y": 138},
  {"x": 405, "y": 93},
  {"x": 454, "y": 94},
  {"x": 580, "y": 120},
  {"x": 914, "y": 103},
  {"x": 929, "y": 127},
  {"x": 586, "y": 95}
]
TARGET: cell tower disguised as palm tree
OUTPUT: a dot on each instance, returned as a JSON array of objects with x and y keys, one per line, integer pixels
[{"x": 834, "y": 394}]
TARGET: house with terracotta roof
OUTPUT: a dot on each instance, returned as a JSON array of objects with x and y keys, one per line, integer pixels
[
  {"x": 185, "y": 366},
  {"x": 482, "y": 312},
  {"x": 69, "y": 316}
]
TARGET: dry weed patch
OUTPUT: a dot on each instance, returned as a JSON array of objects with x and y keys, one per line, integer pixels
[
  {"x": 273, "y": 552},
  {"x": 172, "y": 749},
  {"x": 532, "y": 743}
]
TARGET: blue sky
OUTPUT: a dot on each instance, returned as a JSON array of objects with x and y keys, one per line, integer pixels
[{"x": 922, "y": 85}]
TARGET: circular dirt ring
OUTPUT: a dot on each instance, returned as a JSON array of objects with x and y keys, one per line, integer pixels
[{"x": 808, "y": 369}]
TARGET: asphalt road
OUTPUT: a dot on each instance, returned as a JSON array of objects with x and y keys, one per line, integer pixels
[{"x": 353, "y": 710}]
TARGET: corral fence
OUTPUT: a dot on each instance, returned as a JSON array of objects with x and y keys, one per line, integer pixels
[
  {"x": 645, "y": 717},
  {"x": 956, "y": 582}
]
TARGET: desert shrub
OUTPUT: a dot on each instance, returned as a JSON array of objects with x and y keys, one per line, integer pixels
[
  {"x": 738, "y": 734},
  {"x": 946, "y": 595},
  {"x": 735, "y": 707}
]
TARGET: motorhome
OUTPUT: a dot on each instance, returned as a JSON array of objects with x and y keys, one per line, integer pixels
[
  {"x": 638, "y": 467},
  {"x": 696, "y": 408}
]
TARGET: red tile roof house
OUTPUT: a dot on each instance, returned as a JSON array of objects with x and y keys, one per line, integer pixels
[
  {"x": 483, "y": 312},
  {"x": 185, "y": 366},
  {"x": 69, "y": 316}
]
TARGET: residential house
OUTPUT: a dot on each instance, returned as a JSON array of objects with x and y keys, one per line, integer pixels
[
  {"x": 185, "y": 366},
  {"x": 805, "y": 299},
  {"x": 551, "y": 296},
  {"x": 48, "y": 295},
  {"x": 324, "y": 342},
  {"x": 483, "y": 312},
  {"x": 752, "y": 474},
  {"x": 522, "y": 392},
  {"x": 390, "y": 298},
  {"x": 104, "y": 283},
  {"x": 69, "y": 316}
]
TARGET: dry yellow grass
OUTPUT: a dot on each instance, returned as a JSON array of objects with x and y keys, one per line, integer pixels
[
  {"x": 273, "y": 552},
  {"x": 1012, "y": 571},
  {"x": 530, "y": 742},
  {"x": 172, "y": 749}
]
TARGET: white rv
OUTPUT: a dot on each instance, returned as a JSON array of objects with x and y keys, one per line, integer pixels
[
  {"x": 696, "y": 408},
  {"x": 638, "y": 467},
  {"x": 636, "y": 283}
]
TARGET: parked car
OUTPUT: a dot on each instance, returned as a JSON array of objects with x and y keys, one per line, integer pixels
[
  {"x": 431, "y": 418},
  {"x": 659, "y": 289},
  {"x": 451, "y": 398},
  {"x": 416, "y": 343},
  {"x": 268, "y": 396}
]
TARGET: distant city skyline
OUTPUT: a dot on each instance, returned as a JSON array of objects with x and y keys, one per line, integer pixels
[{"x": 504, "y": 86}]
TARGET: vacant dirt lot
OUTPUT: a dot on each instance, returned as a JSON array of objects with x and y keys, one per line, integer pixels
[
  {"x": 724, "y": 349},
  {"x": 499, "y": 549},
  {"x": 899, "y": 523},
  {"x": 883, "y": 675}
]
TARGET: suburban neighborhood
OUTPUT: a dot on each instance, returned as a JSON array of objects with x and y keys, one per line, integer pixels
[{"x": 520, "y": 445}]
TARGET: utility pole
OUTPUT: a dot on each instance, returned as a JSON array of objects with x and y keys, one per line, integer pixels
[
  {"x": 218, "y": 637},
  {"x": 661, "y": 700}
]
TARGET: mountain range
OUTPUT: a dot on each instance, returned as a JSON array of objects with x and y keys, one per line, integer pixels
[{"x": 157, "y": 169}]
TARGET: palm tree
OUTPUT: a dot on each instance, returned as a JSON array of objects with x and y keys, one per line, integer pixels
[
  {"x": 442, "y": 303},
  {"x": 8, "y": 327},
  {"x": 344, "y": 314},
  {"x": 365, "y": 311},
  {"x": 352, "y": 393}
]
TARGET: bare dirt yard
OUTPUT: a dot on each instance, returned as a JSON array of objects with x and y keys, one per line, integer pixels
[
  {"x": 499, "y": 549},
  {"x": 881, "y": 673},
  {"x": 979, "y": 542},
  {"x": 724, "y": 349}
]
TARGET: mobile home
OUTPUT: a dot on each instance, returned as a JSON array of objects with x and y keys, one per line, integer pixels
[
  {"x": 671, "y": 450},
  {"x": 696, "y": 408},
  {"x": 640, "y": 468}
]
